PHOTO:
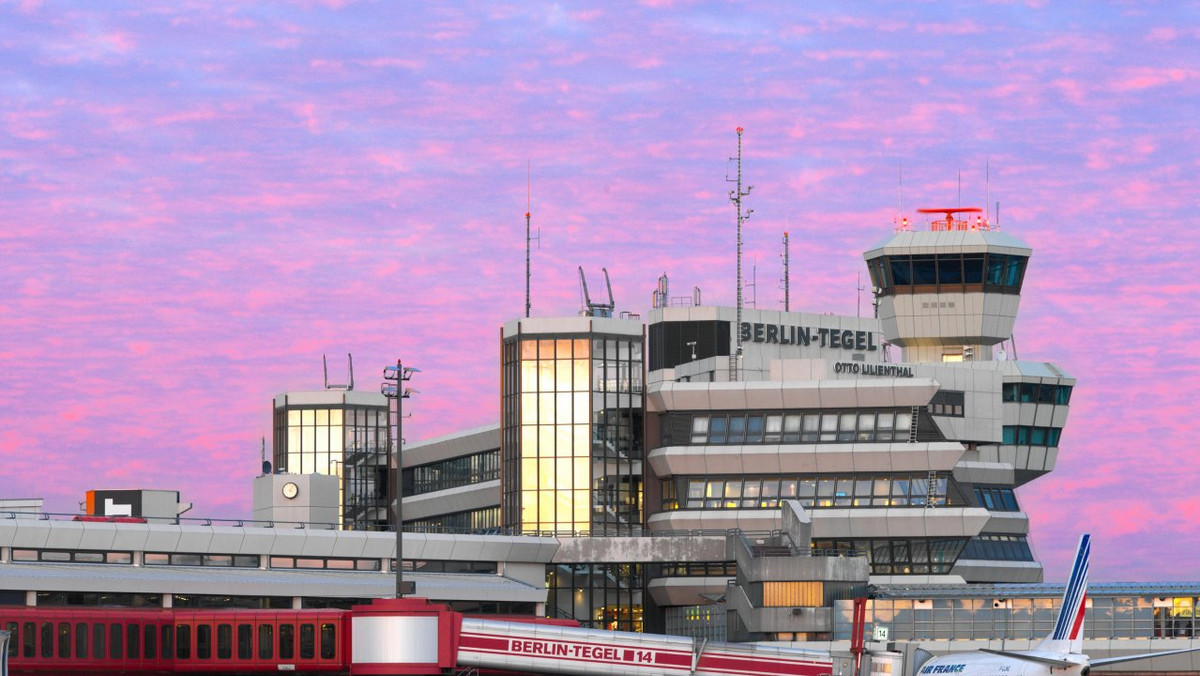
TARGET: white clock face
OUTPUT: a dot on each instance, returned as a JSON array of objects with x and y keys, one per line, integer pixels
[{"x": 290, "y": 490}]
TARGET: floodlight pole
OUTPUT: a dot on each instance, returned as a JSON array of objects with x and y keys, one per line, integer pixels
[{"x": 393, "y": 388}]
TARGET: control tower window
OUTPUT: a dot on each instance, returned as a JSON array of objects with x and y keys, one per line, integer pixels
[{"x": 995, "y": 272}]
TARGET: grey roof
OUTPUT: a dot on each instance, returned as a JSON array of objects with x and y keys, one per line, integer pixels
[
  {"x": 1050, "y": 589},
  {"x": 258, "y": 582}
]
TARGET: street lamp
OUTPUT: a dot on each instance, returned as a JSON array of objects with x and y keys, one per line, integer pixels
[{"x": 392, "y": 388}]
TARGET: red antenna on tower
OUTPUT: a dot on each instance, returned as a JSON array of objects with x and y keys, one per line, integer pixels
[{"x": 952, "y": 223}]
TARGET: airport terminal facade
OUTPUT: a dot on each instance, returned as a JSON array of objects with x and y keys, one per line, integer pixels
[{"x": 642, "y": 473}]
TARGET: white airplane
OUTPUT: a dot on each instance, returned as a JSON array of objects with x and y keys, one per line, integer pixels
[{"x": 1059, "y": 654}]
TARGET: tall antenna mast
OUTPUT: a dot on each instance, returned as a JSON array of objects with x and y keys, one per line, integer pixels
[
  {"x": 960, "y": 187},
  {"x": 736, "y": 196},
  {"x": 528, "y": 235},
  {"x": 987, "y": 181},
  {"x": 787, "y": 301},
  {"x": 858, "y": 304}
]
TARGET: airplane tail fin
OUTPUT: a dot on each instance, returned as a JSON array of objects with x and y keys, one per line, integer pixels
[{"x": 1068, "y": 629}]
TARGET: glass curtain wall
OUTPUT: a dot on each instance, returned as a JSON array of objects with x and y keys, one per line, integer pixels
[
  {"x": 572, "y": 434},
  {"x": 345, "y": 441}
]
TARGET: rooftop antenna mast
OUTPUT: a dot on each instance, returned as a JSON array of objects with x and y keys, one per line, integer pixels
[
  {"x": 858, "y": 305},
  {"x": 529, "y": 237},
  {"x": 325, "y": 367},
  {"x": 736, "y": 197},
  {"x": 901, "y": 222},
  {"x": 787, "y": 305},
  {"x": 596, "y": 309}
]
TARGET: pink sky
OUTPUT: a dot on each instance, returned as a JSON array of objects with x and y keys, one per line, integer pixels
[{"x": 199, "y": 199}]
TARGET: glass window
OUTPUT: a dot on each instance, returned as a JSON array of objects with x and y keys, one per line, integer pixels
[
  {"x": 98, "y": 640},
  {"x": 287, "y": 640},
  {"x": 203, "y": 641},
  {"x": 308, "y": 638},
  {"x": 737, "y": 429},
  {"x": 1062, "y": 394},
  {"x": 30, "y": 643},
  {"x": 901, "y": 269},
  {"x": 81, "y": 640},
  {"x": 805, "y": 488},
  {"x": 151, "y": 642},
  {"x": 133, "y": 636},
  {"x": 183, "y": 642},
  {"x": 167, "y": 636},
  {"x": 950, "y": 269},
  {"x": 1010, "y": 435},
  {"x": 716, "y": 430},
  {"x": 224, "y": 641},
  {"x": 14, "y": 639},
  {"x": 754, "y": 429},
  {"x": 791, "y": 428},
  {"x": 846, "y": 426},
  {"x": 924, "y": 270},
  {"x": 787, "y": 489},
  {"x": 973, "y": 269},
  {"x": 829, "y": 426},
  {"x": 866, "y": 426},
  {"x": 774, "y": 428},
  {"x": 699, "y": 429},
  {"x": 328, "y": 641},
  {"x": 64, "y": 639},
  {"x": 995, "y": 269},
  {"x": 1014, "y": 271},
  {"x": 266, "y": 641}
]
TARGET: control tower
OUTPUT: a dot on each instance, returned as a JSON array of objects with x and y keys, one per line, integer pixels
[
  {"x": 948, "y": 297},
  {"x": 949, "y": 293}
]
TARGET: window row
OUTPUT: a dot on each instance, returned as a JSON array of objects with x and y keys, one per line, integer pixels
[
  {"x": 116, "y": 641},
  {"x": 1036, "y": 393},
  {"x": 485, "y": 520},
  {"x": 216, "y": 560},
  {"x": 995, "y": 271},
  {"x": 68, "y": 556},
  {"x": 921, "y": 556},
  {"x": 700, "y": 569},
  {"x": 875, "y": 425},
  {"x": 1027, "y": 435},
  {"x": 948, "y": 403},
  {"x": 916, "y": 490},
  {"x": 989, "y": 547},
  {"x": 325, "y": 563},
  {"x": 454, "y": 473},
  {"x": 996, "y": 498}
]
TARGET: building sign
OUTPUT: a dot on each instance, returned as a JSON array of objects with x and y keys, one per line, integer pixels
[
  {"x": 782, "y": 334},
  {"x": 863, "y": 369}
]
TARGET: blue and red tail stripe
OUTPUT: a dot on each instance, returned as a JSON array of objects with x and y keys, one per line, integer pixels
[{"x": 1070, "y": 616}]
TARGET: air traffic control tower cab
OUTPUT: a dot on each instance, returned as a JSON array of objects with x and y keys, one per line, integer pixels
[{"x": 949, "y": 293}]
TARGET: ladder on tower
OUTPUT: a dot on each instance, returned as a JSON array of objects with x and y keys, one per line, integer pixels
[
  {"x": 931, "y": 493},
  {"x": 912, "y": 427},
  {"x": 733, "y": 368}
]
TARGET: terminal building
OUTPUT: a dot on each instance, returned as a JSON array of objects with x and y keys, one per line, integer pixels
[{"x": 711, "y": 472}]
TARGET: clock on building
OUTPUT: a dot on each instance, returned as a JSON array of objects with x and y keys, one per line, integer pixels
[{"x": 290, "y": 490}]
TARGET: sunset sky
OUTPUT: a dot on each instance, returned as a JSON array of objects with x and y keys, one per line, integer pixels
[{"x": 200, "y": 199}]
